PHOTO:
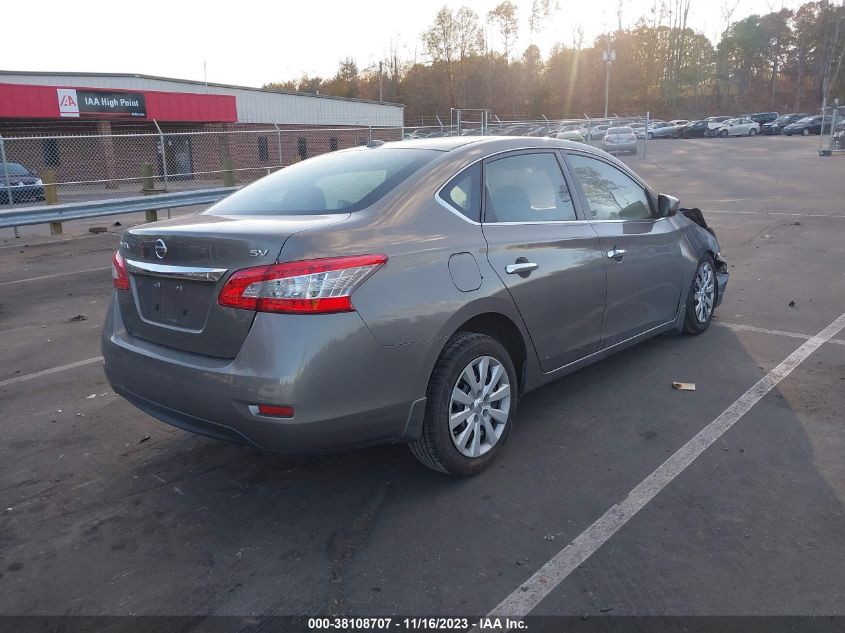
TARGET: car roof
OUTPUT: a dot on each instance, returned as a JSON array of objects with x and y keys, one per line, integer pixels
[
  {"x": 490, "y": 144},
  {"x": 441, "y": 143}
]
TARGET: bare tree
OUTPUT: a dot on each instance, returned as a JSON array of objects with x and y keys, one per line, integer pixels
[{"x": 505, "y": 19}]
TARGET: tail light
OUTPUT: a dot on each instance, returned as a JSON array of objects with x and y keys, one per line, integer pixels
[
  {"x": 316, "y": 286},
  {"x": 119, "y": 278}
]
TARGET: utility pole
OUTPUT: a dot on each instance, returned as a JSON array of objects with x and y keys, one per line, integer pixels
[
  {"x": 380, "y": 91},
  {"x": 609, "y": 56}
]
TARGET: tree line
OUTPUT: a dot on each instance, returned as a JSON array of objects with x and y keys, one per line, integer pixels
[{"x": 783, "y": 60}]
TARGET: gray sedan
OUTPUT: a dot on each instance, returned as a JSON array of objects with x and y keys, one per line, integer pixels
[
  {"x": 402, "y": 292},
  {"x": 662, "y": 130}
]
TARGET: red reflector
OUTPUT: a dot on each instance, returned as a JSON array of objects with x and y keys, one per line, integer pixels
[
  {"x": 275, "y": 410},
  {"x": 120, "y": 279}
]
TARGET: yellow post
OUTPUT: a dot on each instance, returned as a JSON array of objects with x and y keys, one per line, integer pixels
[
  {"x": 51, "y": 193},
  {"x": 228, "y": 172},
  {"x": 147, "y": 183}
]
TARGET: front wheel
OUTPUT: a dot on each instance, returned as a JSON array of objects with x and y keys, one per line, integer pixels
[
  {"x": 752, "y": 132},
  {"x": 701, "y": 300},
  {"x": 805, "y": 132},
  {"x": 470, "y": 406},
  {"x": 723, "y": 134},
  {"x": 649, "y": 136}
]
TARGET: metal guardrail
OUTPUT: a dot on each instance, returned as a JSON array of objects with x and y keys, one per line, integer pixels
[{"x": 45, "y": 214}]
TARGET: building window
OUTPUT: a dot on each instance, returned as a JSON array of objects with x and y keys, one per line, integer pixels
[
  {"x": 303, "y": 148},
  {"x": 263, "y": 150},
  {"x": 333, "y": 144},
  {"x": 50, "y": 149}
]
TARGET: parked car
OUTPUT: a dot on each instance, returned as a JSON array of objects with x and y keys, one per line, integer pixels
[
  {"x": 696, "y": 129},
  {"x": 23, "y": 184},
  {"x": 714, "y": 121},
  {"x": 352, "y": 298},
  {"x": 596, "y": 132},
  {"x": 776, "y": 126},
  {"x": 679, "y": 122},
  {"x": 809, "y": 125},
  {"x": 619, "y": 140},
  {"x": 570, "y": 133},
  {"x": 737, "y": 127},
  {"x": 661, "y": 130},
  {"x": 763, "y": 117},
  {"x": 639, "y": 129}
]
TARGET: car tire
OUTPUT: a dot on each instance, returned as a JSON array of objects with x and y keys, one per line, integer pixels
[
  {"x": 649, "y": 136},
  {"x": 805, "y": 132},
  {"x": 752, "y": 132},
  {"x": 703, "y": 290},
  {"x": 723, "y": 134},
  {"x": 437, "y": 448}
]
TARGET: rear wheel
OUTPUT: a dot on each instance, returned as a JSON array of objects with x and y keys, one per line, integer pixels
[
  {"x": 752, "y": 132},
  {"x": 723, "y": 134},
  {"x": 470, "y": 406},
  {"x": 701, "y": 300},
  {"x": 805, "y": 132}
]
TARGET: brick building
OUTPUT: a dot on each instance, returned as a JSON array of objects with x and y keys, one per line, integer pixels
[{"x": 100, "y": 128}]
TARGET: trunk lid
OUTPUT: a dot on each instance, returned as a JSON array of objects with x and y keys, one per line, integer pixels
[{"x": 177, "y": 268}]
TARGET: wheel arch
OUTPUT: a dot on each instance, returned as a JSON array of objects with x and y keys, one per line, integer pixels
[{"x": 504, "y": 330}]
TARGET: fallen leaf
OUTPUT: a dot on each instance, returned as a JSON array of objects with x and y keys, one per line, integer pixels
[{"x": 684, "y": 386}]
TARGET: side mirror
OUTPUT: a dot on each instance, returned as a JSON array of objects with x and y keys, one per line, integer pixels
[{"x": 667, "y": 205}]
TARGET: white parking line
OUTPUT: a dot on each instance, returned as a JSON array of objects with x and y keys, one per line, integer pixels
[
  {"x": 543, "y": 582},
  {"x": 71, "y": 272},
  {"x": 762, "y": 330},
  {"x": 47, "y": 372}
]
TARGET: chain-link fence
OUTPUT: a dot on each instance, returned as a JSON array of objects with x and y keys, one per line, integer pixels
[
  {"x": 832, "y": 133},
  {"x": 92, "y": 166},
  {"x": 82, "y": 167},
  {"x": 622, "y": 135}
]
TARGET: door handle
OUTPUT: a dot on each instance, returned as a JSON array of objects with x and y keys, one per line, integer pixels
[
  {"x": 616, "y": 253},
  {"x": 521, "y": 268}
]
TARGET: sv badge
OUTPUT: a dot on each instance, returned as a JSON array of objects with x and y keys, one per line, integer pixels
[{"x": 258, "y": 252}]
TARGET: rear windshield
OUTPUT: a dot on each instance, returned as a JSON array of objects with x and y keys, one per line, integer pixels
[
  {"x": 331, "y": 183},
  {"x": 619, "y": 130}
]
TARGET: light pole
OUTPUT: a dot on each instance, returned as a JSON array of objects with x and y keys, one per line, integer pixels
[{"x": 609, "y": 57}]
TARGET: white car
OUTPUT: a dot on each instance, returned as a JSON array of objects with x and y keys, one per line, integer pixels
[
  {"x": 736, "y": 127},
  {"x": 679, "y": 122}
]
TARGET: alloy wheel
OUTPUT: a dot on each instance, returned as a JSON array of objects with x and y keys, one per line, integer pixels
[
  {"x": 479, "y": 407},
  {"x": 704, "y": 292}
]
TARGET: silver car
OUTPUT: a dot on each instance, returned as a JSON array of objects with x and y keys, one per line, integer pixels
[
  {"x": 402, "y": 292},
  {"x": 620, "y": 140}
]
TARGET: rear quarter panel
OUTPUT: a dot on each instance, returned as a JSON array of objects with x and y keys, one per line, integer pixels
[{"x": 412, "y": 297}]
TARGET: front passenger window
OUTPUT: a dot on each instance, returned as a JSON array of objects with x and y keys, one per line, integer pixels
[{"x": 611, "y": 194}]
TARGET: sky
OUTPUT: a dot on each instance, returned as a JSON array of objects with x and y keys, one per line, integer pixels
[{"x": 249, "y": 43}]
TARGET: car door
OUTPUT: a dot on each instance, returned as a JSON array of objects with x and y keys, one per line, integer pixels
[
  {"x": 547, "y": 256},
  {"x": 642, "y": 253}
]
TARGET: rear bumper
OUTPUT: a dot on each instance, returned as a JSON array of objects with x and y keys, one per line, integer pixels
[
  {"x": 346, "y": 389},
  {"x": 620, "y": 148}
]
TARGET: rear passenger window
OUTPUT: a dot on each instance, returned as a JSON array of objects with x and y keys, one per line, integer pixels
[
  {"x": 611, "y": 194},
  {"x": 526, "y": 188},
  {"x": 463, "y": 193}
]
